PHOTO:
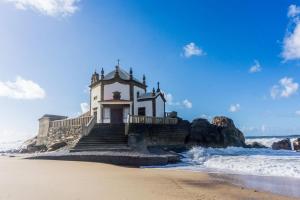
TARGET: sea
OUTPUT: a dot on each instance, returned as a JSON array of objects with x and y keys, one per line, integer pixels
[{"x": 246, "y": 161}]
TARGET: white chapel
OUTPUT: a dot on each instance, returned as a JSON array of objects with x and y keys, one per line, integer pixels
[{"x": 116, "y": 95}]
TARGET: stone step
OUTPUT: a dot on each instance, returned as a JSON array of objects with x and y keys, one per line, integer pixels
[{"x": 111, "y": 148}]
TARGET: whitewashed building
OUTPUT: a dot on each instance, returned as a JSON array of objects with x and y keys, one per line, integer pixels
[{"x": 118, "y": 94}]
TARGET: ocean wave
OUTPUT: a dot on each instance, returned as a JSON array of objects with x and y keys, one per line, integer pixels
[{"x": 262, "y": 162}]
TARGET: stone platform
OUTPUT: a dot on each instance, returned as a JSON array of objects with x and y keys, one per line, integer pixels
[{"x": 135, "y": 159}]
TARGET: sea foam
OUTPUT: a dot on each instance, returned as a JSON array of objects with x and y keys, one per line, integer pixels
[{"x": 237, "y": 160}]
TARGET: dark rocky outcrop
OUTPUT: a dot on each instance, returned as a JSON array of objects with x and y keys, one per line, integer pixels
[
  {"x": 296, "y": 144},
  {"x": 56, "y": 146},
  {"x": 282, "y": 144},
  {"x": 255, "y": 145},
  {"x": 220, "y": 133}
]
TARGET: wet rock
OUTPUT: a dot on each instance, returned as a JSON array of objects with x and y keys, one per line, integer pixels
[
  {"x": 220, "y": 133},
  {"x": 255, "y": 145},
  {"x": 296, "y": 144},
  {"x": 282, "y": 144}
]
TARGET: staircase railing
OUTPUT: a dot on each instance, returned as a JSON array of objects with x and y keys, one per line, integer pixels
[
  {"x": 135, "y": 119},
  {"x": 90, "y": 125},
  {"x": 79, "y": 121}
]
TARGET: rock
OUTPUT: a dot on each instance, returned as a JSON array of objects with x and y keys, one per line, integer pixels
[
  {"x": 255, "y": 145},
  {"x": 282, "y": 144},
  {"x": 223, "y": 122},
  {"x": 30, "y": 146},
  {"x": 34, "y": 149},
  {"x": 296, "y": 144},
  {"x": 56, "y": 146},
  {"x": 221, "y": 133}
]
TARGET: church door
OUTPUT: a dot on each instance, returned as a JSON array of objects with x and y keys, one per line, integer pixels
[{"x": 116, "y": 115}]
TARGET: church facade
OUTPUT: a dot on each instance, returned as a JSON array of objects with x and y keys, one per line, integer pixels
[{"x": 116, "y": 95}]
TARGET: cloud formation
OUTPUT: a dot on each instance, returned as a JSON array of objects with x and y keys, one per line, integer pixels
[
  {"x": 47, "y": 7},
  {"x": 291, "y": 41},
  {"x": 186, "y": 103},
  {"x": 293, "y": 11},
  {"x": 84, "y": 107},
  {"x": 170, "y": 101},
  {"x": 21, "y": 89},
  {"x": 234, "y": 108},
  {"x": 255, "y": 68},
  {"x": 192, "y": 49},
  {"x": 286, "y": 88}
]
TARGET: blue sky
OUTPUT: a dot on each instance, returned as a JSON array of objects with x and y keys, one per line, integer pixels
[{"x": 234, "y": 58}]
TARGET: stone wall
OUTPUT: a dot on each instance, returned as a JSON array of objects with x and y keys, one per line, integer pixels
[
  {"x": 141, "y": 136},
  {"x": 69, "y": 135},
  {"x": 44, "y": 126}
]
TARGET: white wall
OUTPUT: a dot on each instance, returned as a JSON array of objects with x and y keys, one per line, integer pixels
[
  {"x": 159, "y": 107},
  {"x": 95, "y": 97},
  {"x": 106, "y": 115},
  {"x": 141, "y": 91},
  {"x": 147, "y": 105},
  {"x": 126, "y": 112},
  {"x": 123, "y": 88}
]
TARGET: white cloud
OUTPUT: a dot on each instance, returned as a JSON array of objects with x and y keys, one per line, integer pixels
[
  {"x": 291, "y": 44},
  {"x": 293, "y": 11},
  {"x": 84, "y": 107},
  {"x": 187, "y": 103},
  {"x": 21, "y": 89},
  {"x": 291, "y": 41},
  {"x": 192, "y": 49},
  {"x": 297, "y": 112},
  {"x": 255, "y": 68},
  {"x": 286, "y": 88},
  {"x": 47, "y": 7},
  {"x": 234, "y": 108},
  {"x": 170, "y": 101}
]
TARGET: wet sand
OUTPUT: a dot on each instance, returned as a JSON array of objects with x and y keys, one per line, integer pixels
[
  {"x": 57, "y": 180},
  {"x": 278, "y": 185}
]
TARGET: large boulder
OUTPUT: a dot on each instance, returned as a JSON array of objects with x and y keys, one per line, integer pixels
[
  {"x": 56, "y": 146},
  {"x": 220, "y": 133},
  {"x": 282, "y": 144},
  {"x": 296, "y": 144},
  {"x": 232, "y": 135}
]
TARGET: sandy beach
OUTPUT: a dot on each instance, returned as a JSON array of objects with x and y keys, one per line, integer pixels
[{"x": 55, "y": 180}]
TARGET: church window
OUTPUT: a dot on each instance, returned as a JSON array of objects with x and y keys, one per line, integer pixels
[
  {"x": 141, "y": 111},
  {"x": 116, "y": 95}
]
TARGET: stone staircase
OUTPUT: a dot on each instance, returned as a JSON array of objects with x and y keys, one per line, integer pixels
[{"x": 104, "y": 137}]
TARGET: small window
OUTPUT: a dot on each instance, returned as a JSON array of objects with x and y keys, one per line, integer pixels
[
  {"x": 116, "y": 95},
  {"x": 142, "y": 111},
  {"x": 95, "y": 97}
]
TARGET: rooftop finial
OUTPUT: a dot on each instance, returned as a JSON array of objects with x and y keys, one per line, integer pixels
[
  {"x": 118, "y": 62},
  {"x": 153, "y": 91},
  {"x": 130, "y": 73},
  {"x": 158, "y": 89},
  {"x": 102, "y": 73}
]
